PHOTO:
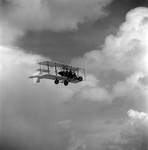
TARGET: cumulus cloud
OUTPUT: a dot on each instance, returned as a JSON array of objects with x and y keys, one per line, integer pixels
[
  {"x": 121, "y": 65},
  {"x": 19, "y": 16},
  {"x": 96, "y": 93},
  {"x": 132, "y": 91},
  {"x": 134, "y": 136},
  {"x": 28, "y": 109},
  {"x": 124, "y": 88},
  {"x": 126, "y": 52}
]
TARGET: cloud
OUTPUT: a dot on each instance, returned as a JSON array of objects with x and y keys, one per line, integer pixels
[
  {"x": 76, "y": 143},
  {"x": 132, "y": 90},
  {"x": 93, "y": 94},
  {"x": 13, "y": 54},
  {"x": 16, "y": 65},
  {"x": 16, "y": 16},
  {"x": 121, "y": 65},
  {"x": 90, "y": 90},
  {"x": 9, "y": 34},
  {"x": 130, "y": 93},
  {"x": 66, "y": 124},
  {"x": 131, "y": 83},
  {"x": 26, "y": 108},
  {"x": 134, "y": 136},
  {"x": 126, "y": 52}
]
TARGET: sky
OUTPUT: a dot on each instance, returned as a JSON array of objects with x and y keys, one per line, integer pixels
[{"x": 108, "y": 111}]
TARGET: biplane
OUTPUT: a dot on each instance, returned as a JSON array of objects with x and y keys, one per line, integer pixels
[{"x": 58, "y": 72}]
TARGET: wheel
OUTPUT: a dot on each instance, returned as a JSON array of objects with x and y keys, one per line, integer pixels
[
  {"x": 56, "y": 81},
  {"x": 80, "y": 78},
  {"x": 65, "y": 82}
]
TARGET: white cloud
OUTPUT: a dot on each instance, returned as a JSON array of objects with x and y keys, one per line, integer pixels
[
  {"x": 131, "y": 90},
  {"x": 126, "y": 52},
  {"x": 93, "y": 94},
  {"x": 17, "y": 56},
  {"x": 29, "y": 108},
  {"x": 133, "y": 137},
  {"x": 126, "y": 55},
  {"x": 19, "y": 16},
  {"x": 131, "y": 87}
]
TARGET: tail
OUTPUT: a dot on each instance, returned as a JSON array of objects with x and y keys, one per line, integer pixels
[{"x": 35, "y": 77}]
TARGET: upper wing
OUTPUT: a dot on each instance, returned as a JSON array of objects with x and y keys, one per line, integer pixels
[
  {"x": 57, "y": 64},
  {"x": 47, "y": 63}
]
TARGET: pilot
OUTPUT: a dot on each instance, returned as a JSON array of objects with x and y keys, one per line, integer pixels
[
  {"x": 74, "y": 75},
  {"x": 70, "y": 74},
  {"x": 62, "y": 73},
  {"x": 66, "y": 73}
]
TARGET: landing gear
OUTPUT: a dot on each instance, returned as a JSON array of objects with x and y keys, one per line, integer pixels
[
  {"x": 65, "y": 82},
  {"x": 80, "y": 78},
  {"x": 56, "y": 81}
]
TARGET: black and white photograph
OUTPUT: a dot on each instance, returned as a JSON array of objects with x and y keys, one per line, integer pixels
[{"x": 73, "y": 74}]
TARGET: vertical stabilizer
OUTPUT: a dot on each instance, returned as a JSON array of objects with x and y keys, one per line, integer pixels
[{"x": 36, "y": 77}]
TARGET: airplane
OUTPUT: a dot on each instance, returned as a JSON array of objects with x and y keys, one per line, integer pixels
[{"x": 60, "y": 73}]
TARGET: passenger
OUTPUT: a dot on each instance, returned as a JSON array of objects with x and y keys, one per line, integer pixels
[
  {"x": 62, "y": 73},
  {"x": 66, "y": 73},
  {"x": 70, "y": 74},
  {"x": 74, "y": 75}
]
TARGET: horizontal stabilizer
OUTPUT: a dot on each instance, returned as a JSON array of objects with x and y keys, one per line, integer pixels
[{"x": 35, "y": 77}]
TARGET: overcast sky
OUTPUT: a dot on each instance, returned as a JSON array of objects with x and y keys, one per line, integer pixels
[{"x": 109, "y": 111}]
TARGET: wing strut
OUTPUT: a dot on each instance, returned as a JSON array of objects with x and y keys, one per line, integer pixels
[
  {"x": 48, "y": 67},
  {"x": 84, "y": 75},
  {"x": 40, "y": 69},
  {"x": 77, "y": 72},
  {"x": 56, "y": 72}
]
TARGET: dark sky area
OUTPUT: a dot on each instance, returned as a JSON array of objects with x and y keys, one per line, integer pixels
[{"x": 63, "y": 46}]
